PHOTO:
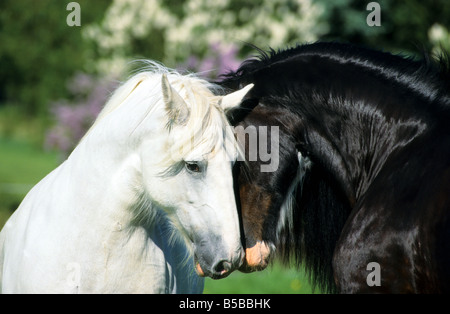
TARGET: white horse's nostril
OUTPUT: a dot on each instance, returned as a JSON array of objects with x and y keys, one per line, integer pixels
[{"x": 222, "y": 267}]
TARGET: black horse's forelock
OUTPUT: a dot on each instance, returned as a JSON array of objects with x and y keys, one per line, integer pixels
[{"x": 322, "y": 204}]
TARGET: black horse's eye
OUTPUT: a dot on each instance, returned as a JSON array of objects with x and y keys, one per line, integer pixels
[{"x": 192, "y": 166}]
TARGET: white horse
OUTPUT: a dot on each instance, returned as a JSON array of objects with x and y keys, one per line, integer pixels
[{"x": 147, "y": 190}]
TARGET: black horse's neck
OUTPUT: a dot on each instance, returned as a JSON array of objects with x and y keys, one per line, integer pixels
[
  {"x": 352, "y": 137},
  {"x": 355, "y": 107}
]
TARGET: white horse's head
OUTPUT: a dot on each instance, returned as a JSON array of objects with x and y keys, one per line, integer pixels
[{"x": 186, "y": 164}]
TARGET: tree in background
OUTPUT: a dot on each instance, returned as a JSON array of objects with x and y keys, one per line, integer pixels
[
  {"x": 404, "y": 27},
  {"x": 39, "y": 52},
  {"x": 184, "y": 35},
  {"x": 172, "y": 34}
]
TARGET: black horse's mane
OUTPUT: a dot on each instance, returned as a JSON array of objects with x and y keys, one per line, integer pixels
[
  {"x": 322, "y": 208},
  {"x": 429, "y": 77}
]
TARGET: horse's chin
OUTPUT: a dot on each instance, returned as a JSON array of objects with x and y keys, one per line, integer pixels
[{"x": 256, "y": 257}]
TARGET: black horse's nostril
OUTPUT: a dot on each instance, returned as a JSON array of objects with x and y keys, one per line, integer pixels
[{"x": 222, "y": 267}]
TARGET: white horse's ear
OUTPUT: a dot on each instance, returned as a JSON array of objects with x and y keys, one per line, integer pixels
[
  {"x": 177, "y": 109},
  {"x": 234, "y": 99}
]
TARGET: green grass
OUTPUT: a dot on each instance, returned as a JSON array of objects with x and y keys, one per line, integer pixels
[
  {"x": 21, "y": 162},
  {"x": 22, "y": 165},
  {"x": 15, "y": 125},
  {"x": 275, "y": 279}
]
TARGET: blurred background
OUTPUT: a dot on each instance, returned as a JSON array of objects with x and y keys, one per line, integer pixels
[{"x": 54, "y": 78}]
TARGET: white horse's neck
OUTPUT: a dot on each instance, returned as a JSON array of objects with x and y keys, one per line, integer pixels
[
  {"x": 115, "y": 172},
  {"x": 110, "y": 160}
]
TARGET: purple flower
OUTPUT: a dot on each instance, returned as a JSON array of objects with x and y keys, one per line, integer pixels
[
  {"x": 219, "y": 60},
  {"x": 73, "y": 119},
  {"x": 229, "y": 62}
]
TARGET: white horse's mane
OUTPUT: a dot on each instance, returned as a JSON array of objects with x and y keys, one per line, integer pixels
[{"x": 208, "y": 127}]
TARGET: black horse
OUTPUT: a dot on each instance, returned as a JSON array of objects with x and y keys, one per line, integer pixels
[{"x": 364, "y": 151}]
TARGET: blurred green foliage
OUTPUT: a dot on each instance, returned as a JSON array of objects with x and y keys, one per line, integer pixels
[
  {"x": 39, "y": 52},
  {"x": 404, "y": 24},
  {"x": 21, "y": 166}
]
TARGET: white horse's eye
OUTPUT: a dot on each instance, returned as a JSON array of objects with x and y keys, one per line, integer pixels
[{"x": 193, "y": 166}]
